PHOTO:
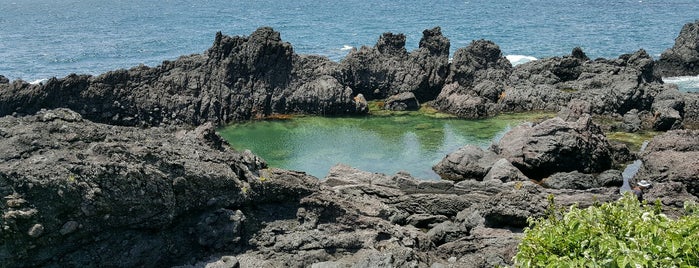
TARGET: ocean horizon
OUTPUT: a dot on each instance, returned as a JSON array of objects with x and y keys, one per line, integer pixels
[{"x": 42, "y": 39}]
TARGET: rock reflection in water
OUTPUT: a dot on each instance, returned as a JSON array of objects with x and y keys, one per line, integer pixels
[{"x": 384, "y": 144}]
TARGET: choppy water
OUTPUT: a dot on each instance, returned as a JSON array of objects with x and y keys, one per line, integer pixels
[
  {"x": 412, "y": 143},
  {"x": 45, "y": 38}
]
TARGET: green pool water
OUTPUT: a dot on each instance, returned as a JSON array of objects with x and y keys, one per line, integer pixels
[{"x": 385, "y": 144}]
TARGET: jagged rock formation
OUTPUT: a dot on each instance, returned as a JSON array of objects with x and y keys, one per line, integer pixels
[
  {"x": 388, "y": 69},
  {"x": 242, "y": 78},
  {"x": 82, "y": 188},
  {"x": 610, "y": 86},
  {"x": 476, "y": 81},
  {"x": 683, "y": 58},
  {"x": 238, "y": 78}
]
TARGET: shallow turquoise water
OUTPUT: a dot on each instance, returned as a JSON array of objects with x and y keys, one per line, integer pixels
[{"x": 384, "y": 144}]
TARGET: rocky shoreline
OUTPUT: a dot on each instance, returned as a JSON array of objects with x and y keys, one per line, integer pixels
[{"x": 125, "y": 168}]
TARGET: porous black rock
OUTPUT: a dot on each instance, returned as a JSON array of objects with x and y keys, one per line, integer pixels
[
  {"x": 388, "y": 69},
  {"x": 405, "y": 101},
  {"x": 555, "y": 146},
  {"x": 238, "y": 78},
  {"x": 477, "y": 79},
  {"x": 683, "y": 58}
]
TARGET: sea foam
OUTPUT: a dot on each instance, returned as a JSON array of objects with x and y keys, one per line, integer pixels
[
  {"x": 38, "y": 81},
  {"x": 519, "y": 59},
  {"x": 684, "y": 83}
]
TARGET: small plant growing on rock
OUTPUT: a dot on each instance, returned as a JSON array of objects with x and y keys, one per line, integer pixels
[{"x": 624, "y": 233}]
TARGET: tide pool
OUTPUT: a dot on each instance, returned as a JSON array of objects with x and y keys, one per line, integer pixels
[{"x": 408, "y": 142}]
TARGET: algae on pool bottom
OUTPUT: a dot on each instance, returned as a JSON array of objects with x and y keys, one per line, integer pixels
[{"x": 408, "y": 142}]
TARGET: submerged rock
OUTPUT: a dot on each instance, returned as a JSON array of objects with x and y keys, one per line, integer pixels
[{"x": 405, "y": 101}]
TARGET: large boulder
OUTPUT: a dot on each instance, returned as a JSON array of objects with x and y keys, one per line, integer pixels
[
  {"x": 683, "y": 58},
  {"x": 77, "y": 193},
  {"x": 673, "y": 157},
  {"x": 555, "y": 146},
  {"x": 469, "y": 162},
  {"x": 668, "y": 110}
]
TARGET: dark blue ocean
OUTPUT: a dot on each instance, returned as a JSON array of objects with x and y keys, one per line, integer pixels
[{"x": 45, "y": 38}]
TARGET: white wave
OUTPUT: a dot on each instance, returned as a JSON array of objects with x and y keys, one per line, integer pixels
[
  {"x": 519, "y": 59},
  {"x": 38, "y": 81},
  {"x": 684, "y": 83},
  {"x": 346, "y": 47}
]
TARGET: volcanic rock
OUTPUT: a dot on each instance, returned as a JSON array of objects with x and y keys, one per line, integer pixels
[
  {"x": 476, "y": 80},
  {"x": 673, "y": 157},
  {"x": 469, "y": 162},
  {"x": 556, "y": 146},
  {"x": 238, "y": 78},
  {"x": 610, "y": 86},
  {"x": 683, "y": 58},
  {"x": 405, "y": 101},
  {"x": 388, "y": 69}
]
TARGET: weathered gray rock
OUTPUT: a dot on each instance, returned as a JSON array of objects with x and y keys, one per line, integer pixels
[
  {"x": 556, "y": 146},
  {"x": 238, "y": 78},
  {"x": 504, "y": 171},
  {"x": 632, "y": 122},
  {"x": 570, "y": 180},
  {"x": 610, "y": 178},
  {"x": 575, "y": 109},
  {"x": 691, "y": 111},
  {"x": 683, "y": 58},
  {"x": 405, "y": 101},
  {"x": 476, "y": 81},
  {"x": 673, "y": 157},
  {"x": 467, "y": 163},
  {"x": 668, "y": 110},
  {"x": 79, "y": 193},
  {"x": 388, "y": 69},
  {"x": 611, "y": 87}
]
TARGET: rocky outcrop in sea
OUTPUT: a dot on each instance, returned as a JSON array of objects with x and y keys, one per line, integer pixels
[
  {"x": 254, "y": 77},
  {"x": 125, "y": 169},
  {"x": 683, "y": 58}
]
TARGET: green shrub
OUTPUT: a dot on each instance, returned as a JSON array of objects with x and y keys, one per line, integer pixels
[{"x": 624, "y": 233}]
